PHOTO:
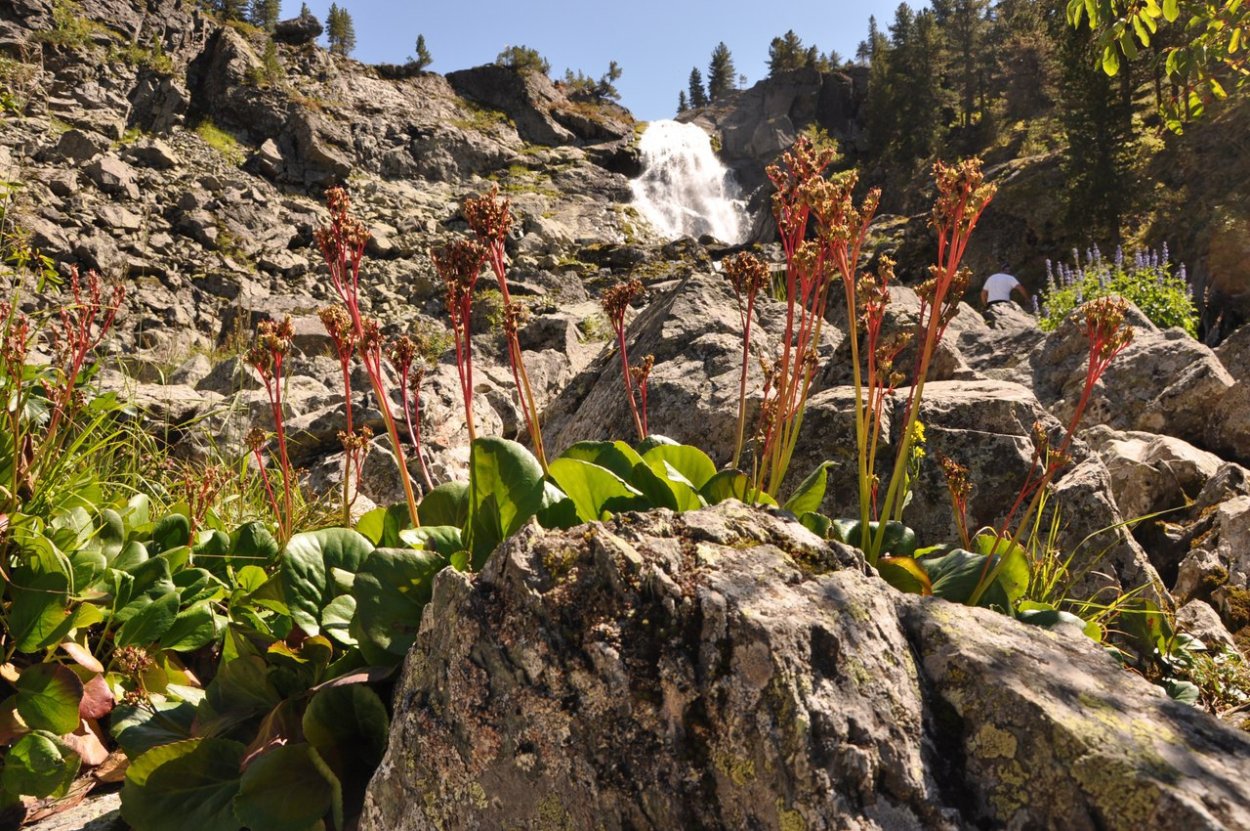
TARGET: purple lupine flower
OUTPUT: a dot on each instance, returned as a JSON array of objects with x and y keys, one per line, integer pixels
[
  {"x": 1164, "y": 255},
  {"x": 1182, "y": 273},
  {"x": 1119, "y": 257},
  {"x": 1037, "y": 309}
]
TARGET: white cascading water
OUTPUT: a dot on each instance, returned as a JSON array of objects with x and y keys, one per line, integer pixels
[{"x": 684, "y": 189}]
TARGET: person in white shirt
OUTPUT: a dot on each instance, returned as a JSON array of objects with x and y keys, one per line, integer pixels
[{"x": 999, "y": 287}]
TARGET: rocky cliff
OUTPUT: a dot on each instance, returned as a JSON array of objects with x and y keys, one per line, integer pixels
[{"x": 738, "y": 671}]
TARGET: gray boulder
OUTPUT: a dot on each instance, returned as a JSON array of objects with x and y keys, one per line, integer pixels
[
  {"x": 726, "y": 669},
  {"x": 297, "y": 30}
]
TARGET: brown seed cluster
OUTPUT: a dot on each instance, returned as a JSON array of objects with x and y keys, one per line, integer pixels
[
  {"x": 642, "y": 371},
  {"x": 339, "y": 327},
  {"x": 272, "y": 344},
  {"x": 345, "y": 237},
  {"x": 746, "y": 273},
  {"x": 489, "y": 216},
  {"x": 458, "y": 264},
  {"x": 957, "y": 480},
  {"x": 1106, "y": 326},
  {"x": 962, "y": 195},
  {"x": 615, "y": 301}
]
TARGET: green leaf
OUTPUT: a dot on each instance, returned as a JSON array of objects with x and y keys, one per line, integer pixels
[
  {"x": 728, "y": 484},
  {"x": 507, "y": 488},
  {"x": 336, "y": 619},
  {"x": 447, "y": 504},
  {"x": 186, "y": 785},
  {"x": 131, "y": 555},
  {"x": 617, "y": 457},
  {"x": 1185, "y": 692},
  {"x": 348, "y": 726},
  {"x": 444, "y": 539},
  {"x": 1171, "y": 10},
  {"x": 1051, "y": 618},
  {"x": 1014, "y": 572},
  {"x": 170, "y": 532},
  {"x": 39, "y": 764},
  {"x": 48, "y": 696},
  {"x": 818, "y": 524},
  {"x": 810, "y": 493},
  {"x": 1110, "y": 60},
  {"x": 39, "y": 611},
  {"x": 140, "y": 728},
  {"x": 691, "y": 462},
  {"x": 253, "y": 542},
  {"x": 665, "y": 487},
  {"x": 240, "y": 691},
  {"x": 905, "y": 574},
  {"x": 112, "y": 536},
  {"x": 955, "y": 577},
  {"x": 192, "y": 628},
  {"x": 151, "y": 620},
  {"x": 898, "y": 539},
  {"x": 391, "y": 591},
  {"x": 284, "y": 789},
  {"x": 595, "y": 490},
  {"x": 305, "y": 567}
]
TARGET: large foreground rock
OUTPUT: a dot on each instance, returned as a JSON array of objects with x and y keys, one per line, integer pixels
[{"x": 726, "y": 669}]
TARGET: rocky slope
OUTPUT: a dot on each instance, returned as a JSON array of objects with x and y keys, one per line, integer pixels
[{"x": 193, "y": 171}]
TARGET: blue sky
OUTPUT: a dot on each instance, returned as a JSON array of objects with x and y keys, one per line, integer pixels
[{"x": 655, "y": 42}]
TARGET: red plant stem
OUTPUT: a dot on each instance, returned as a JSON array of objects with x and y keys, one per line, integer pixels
[
  {"x": 520, "y": 377},
  {"x": 745, "y": 317},
  {"x": 273, "y": 501},
  {"x": 345, "y": 364},
  {"x": 414, "y": 432},
  {"x": 619, "y": 326}
]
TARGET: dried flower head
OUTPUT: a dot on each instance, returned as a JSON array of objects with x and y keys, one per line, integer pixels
[
  {"x": 256, "y": 439},
  {"x": 642, "y": 372},
  {"x": 962, "y": 195},
  {"x": 615, "y": 301},
  {"x": 1106, "y": 327},
  {"x": 489, "y": 216},
  {"x": 458, "y": 264},
  {"x": 957, "y": 480},
  {"x": 401, "y": 352},
  {"x": 515, "y": 314},
  {"x": 272, "y": 344},
  {"x": 132, "y": 660},
  {"x": 746, "y": 273}
]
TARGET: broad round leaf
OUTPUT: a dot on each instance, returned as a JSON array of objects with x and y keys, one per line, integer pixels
[
  {"x": 348, "y": 725},
  {"x": 810, "y": 493},
  {"x": 48, "y": 696},
  {"x": 904, "y": 574},
  {"x": 617, "y": 457},
  {"x": 336, "y": 619},
  {"x": 150, "y": 622},
  {"x": 306, "y": 565},
  {"x": 186, "y": 785},
  {"x": 285, "y": 789},
  {"x": 691, "y": 462},
  {"x": 594, "y": 490},
  {"x": 447, "y": 504},
  {"x": 391, "y": 591},
  {"x": 170, "y": 532},
  {"x": 39, "y": 611},
  {"x": 39, "y": 765},
  {"x": 139, "y": 729},
  {"x": 192, "y": 628}
]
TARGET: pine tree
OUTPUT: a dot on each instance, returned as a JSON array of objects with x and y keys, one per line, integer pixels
[
  {"x": 1097, "y": 115},
  {"x": 232, "y": 9},
  {"x": 682, "y": 103},
  {"x": 304, "y": 11},
  {"x": 265, "y": 13},
  {"x": 721, "y": 74},
  {"x": 786, "y": 53},
  {"x": 698, "y": 96},
  {"x": 340, "y": 31},
  {"x": 523, "y": 59},
  {"x": 423, "y": 58},
  {"x": 606, "y": 90}
]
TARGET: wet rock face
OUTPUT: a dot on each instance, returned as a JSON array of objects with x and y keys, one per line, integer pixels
[{"x": 726, "y": 669}]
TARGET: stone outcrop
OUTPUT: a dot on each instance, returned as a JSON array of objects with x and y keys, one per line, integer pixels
[{"x": 726, "y": 669}]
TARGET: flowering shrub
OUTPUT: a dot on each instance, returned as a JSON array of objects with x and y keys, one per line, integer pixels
[{"x": 1147, "y": 279}]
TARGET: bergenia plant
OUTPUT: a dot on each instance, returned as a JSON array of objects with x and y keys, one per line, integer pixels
[
  {"x": 615, "y": 302},
  {"x": 458, "y": 264},
  {"x": 748, "y": 275},
  {"x": 490, "y": 218},
  {"x": 268, "y": 355},
  {"x": 342, "y": 243}
]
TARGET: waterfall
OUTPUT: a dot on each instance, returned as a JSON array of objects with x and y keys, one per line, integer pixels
[{"x": 684, "y": 189}]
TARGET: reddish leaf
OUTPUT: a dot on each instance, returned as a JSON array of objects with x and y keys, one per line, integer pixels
[
  {"x": 88, "y": 745},
  {"x": 369, "y": 675},
  {"x": 82, "y": 656},
  {"x": 97, "y": 698}
]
